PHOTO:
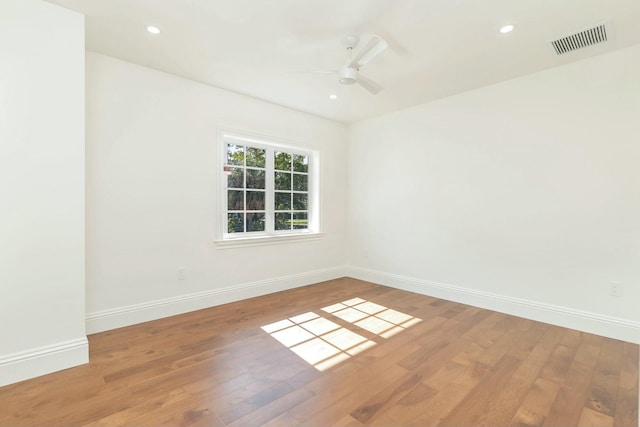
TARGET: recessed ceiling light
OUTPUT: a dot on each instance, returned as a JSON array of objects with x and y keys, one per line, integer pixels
[
  {"x": 153, "y": 30},
  {"x": 507, "y": 29},
  {"x": 333, "y": 96}
]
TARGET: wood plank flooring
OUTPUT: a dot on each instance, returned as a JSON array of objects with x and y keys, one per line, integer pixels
[{"x": 384, "y": 357}]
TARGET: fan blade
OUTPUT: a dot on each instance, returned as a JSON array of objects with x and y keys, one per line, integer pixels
[
  {"x": 374, "y": 48},
  {"x": 369, "y": 84},
  {"x": 313, "y": 72}
]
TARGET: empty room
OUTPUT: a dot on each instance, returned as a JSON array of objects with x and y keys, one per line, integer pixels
[{"x": 319, "y": 212}]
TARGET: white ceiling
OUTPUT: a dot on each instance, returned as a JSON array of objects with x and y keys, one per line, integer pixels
[{"x": 267, "y": 48}]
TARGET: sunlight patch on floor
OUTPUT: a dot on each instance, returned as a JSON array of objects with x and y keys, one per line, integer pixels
[
  {"x": 317, "y": 340},
  {"x": 323, "y": 343},
  {"x": 372, "y": 317},
  {"x": 350, "y": 314}
]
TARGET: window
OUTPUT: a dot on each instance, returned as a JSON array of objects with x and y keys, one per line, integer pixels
[{"x": 268, "y": 189}]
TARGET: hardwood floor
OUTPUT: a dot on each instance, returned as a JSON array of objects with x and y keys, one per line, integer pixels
[{"x": 386, "y": 357}]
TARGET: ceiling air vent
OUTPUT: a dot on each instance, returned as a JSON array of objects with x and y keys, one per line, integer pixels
[{"x": 580, "y": 40}]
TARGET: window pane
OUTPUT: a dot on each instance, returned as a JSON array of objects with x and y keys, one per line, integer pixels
[
  {"x": 300, "y": 182},
  {"x": 255, "y": 200},
  {"x": 300, "y": 163},
  {"x": 255, "y": 178},
  {"x": 235, "y": 223},
  {"x": 235, "y": 154},
  {"x": 300, "y": 220},
  {"x": 283, "y": 181},
  {"x": 282, "y": 161},
  {"x": 283, "y": 201},
  {"x": 236, "y": 179},
  {"x": 283, "y": 221},
  {"x": 255, "y": 221},
  {"x": 235, "y": 200},
  {"x": 256, "y": 157},
  {"x": 300, "y": 202}
]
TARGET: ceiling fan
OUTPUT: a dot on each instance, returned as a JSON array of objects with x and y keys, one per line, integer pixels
[{"x": 349, "y": 73}]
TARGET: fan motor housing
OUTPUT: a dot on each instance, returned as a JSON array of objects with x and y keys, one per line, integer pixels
[{"x": 348, "y": 76}]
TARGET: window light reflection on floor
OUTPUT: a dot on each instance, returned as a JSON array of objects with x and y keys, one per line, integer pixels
[
  {"x": 372, "y": 317},
  {"x": 323, "y": 343},
  {"x": 317, "y": 340}
]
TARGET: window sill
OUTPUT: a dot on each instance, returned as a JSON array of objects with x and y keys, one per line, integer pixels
[{"x": 242, "y": 242}]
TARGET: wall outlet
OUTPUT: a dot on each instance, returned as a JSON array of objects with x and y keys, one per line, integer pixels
[
  {"x": 615, "y": 289},
  {"x": 182, "y": 273}
]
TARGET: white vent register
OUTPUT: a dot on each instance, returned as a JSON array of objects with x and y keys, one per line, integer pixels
[{"x": 582, "y": 39}]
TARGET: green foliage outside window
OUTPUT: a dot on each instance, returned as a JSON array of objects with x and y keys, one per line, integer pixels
[{"x": 247, "y": 189}]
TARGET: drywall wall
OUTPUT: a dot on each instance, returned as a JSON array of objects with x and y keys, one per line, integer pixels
[
  {"x": 41, "y": 189},
  {"x": 523, "y": 196},
  {"x": 151, "y": 196}
]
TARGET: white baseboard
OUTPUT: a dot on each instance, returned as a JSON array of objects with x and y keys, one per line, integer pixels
[
  {"x": 43, "y": 360},
  {"x": 608, "y": 326},
  {"x": 129, "y": 315}
]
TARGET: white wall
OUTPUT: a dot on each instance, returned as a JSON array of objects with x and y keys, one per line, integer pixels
[
  {"x": 523, "y": 196},
  {"x": 151, "y": 196},
  {"x": 42, "y": 325}
]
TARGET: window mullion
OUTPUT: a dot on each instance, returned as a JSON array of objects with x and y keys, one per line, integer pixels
[
  {"x": 244, "y": 193},
  {"x": 270, "y": 193}
]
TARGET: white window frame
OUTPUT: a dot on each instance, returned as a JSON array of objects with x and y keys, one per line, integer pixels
[{"x": 225, "y": 239}]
